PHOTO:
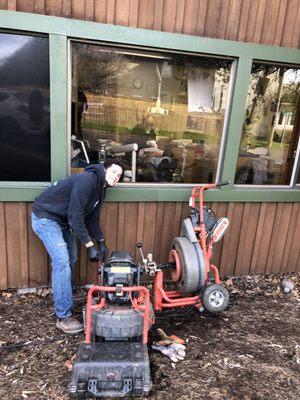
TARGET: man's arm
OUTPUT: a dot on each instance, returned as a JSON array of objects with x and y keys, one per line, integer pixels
[
  {"x": 92, "y": 224},
  {"x": 80, "y": 195}
]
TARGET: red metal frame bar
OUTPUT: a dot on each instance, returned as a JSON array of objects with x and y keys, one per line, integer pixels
[
  {"x": 142, "y": 304},
  {"x": 216, "y": 273},
  {"x": 172, "y": 298},
  {"x": 198, "y": 194},
  {"x": 168, "y": 299}
]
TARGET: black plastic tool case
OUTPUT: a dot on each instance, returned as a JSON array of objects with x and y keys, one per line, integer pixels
[{"x": 115, "y": 369}]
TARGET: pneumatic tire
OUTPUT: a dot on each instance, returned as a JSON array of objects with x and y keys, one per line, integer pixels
[
  {"x": 118, "y": 322},
  {"x": 215, "y": 298}
]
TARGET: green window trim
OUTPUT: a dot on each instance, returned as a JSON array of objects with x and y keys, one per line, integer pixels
[
  {"x": 60, "y": 30},
  {"x": 58, "y": 46},
  {"x": 169, "y": 194}
]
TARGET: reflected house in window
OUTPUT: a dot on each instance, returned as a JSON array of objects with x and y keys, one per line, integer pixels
[
  {"x": 24, "y": 108},
  {"x": 171, "y": 105},
  {"x": 270, "y": 135}
]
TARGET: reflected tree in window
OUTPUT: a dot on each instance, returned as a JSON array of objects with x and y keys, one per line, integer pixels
[{"x": 269, "y": 136}]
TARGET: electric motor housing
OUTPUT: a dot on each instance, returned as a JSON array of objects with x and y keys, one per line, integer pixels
[
  {"x": 209, "y": 218},
  {"x": 119, "y": 271}
]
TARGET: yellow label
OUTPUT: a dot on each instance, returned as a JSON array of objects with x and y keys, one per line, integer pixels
[{"x": 124, "y": 270}]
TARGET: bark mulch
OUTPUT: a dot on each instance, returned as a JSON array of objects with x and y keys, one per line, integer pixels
[{"x": 250, "y": 352}]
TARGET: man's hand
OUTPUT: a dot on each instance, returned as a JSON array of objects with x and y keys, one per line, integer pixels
[
  {"x": 103, "y": 250},
  {"x": 93, "y": 253},
  {"x": 96, "y": 253}
]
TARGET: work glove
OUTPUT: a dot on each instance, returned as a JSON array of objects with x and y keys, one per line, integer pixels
[
  {"x": 175, "y": 351},
  {"x": 93, "y": 253},
  {"x": 103, "y": 250},
  {"x": 166, "y": 340}
]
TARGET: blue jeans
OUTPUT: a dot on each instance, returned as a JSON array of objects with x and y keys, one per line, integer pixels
[{"x": 61, "y": 247}]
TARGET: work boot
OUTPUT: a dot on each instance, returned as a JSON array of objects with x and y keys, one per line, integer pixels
[{"x": 69, "y": 325}]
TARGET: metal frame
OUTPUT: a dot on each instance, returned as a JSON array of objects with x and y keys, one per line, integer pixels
[
  {"x": 226, "y": 121},
  {"x": 60, "y": 30},
  {"x": 142, "y": 305},
  {"x": 296, "y": 167}
]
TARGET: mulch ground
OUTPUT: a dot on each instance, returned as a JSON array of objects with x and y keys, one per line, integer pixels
[{"x": 250, "y": 352}]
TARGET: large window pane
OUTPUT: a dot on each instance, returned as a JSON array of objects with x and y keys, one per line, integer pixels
[
  {"x": 271, "y": 126},
  {"x": 24, "y": 108},
  {"x": 170, "y": 106}
]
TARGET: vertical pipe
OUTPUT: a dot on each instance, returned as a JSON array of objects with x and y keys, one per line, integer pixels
[{"x": 133, "y": 166}]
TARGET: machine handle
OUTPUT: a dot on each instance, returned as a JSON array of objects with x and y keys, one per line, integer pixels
[
  {"x": 139, "y": 245},
  {"x": 123, "y": 387},
  {"x": 125, "y": 148}
]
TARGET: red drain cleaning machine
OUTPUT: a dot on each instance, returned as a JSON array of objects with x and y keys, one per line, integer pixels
[{"x": 113, "y": 361}]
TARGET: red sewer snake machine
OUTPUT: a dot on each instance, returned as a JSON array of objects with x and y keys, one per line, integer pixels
[{"x": 113, "y": 361}]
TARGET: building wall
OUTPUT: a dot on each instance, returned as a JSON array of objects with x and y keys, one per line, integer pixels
[
  {"x": 263, "y": 237},
  {"x": 271, "y": 22}
]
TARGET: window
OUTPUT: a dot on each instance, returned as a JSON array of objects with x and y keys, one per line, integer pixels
[
  {"x": 24, "y": 108},
  {"x": 271, "y": 126},
  {"x": 161, "y": 113}
]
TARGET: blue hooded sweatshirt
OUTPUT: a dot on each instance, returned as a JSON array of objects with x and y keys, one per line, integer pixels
[{"x": 75, "y": 201}]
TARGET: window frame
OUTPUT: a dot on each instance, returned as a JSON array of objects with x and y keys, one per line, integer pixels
[{"x": 61, "y": 31}]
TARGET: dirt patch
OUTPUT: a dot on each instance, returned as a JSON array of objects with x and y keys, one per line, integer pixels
[{"x": 250, "y": 352}]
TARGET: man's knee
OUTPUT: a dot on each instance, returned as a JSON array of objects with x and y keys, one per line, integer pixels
[{"x": 60, "y": 258}]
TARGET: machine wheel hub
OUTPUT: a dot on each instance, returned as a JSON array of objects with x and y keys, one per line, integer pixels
[{"x": 216, "y": 298}]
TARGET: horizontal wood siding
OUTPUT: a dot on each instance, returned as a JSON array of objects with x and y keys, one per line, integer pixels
[
  {"x": 262, "y": 238},
  {"x": 271, "y": 22}
]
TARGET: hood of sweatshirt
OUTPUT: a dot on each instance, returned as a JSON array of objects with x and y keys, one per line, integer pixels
[{"x": 99, "y": 170}]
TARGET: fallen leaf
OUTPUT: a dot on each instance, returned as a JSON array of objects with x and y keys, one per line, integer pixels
[
  {"x": 6, "y": 294},
  {"x": 69, "y": 363},
  {"x": 229, "y": 282},
  {"x": 46, "y": 292}
]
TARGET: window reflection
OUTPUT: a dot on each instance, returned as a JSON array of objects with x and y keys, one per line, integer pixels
[
  {"x": 271, "y": 131},
  {"x": 24, "y": 108},
  {"x": 163, "y": 115}
]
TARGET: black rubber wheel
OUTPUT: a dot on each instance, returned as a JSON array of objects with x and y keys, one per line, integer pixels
[
  {"x": 215, "y": 298},
  {"x": 190, "y": 276},
  {"x": 119, "y": 322}
]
